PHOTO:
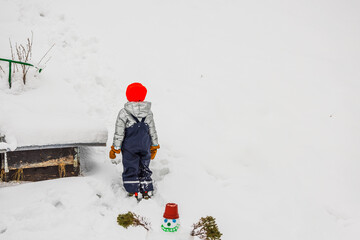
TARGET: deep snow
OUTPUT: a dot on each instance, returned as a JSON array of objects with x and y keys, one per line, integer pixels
[{"x": 256, "y": 105}]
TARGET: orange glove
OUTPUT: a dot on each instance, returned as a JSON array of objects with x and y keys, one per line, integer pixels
[
  {"x": 113, "y": 151},
  {"x": 153, "y": 150}
]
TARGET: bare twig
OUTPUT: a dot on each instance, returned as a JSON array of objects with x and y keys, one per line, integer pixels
[
  {"x": 24, "y": 55},
  {"x": 46, "y": 53},
  {"x": 2, "y": 69},
  {"x": 31, "y": 42},
  {"x": 48, "y": 60},
  {"x": 29, "y": 53},
  {"x": 141, "y": 221},
  {"x": 198, "y": 231},
  {"x": 13, "y": 57}
]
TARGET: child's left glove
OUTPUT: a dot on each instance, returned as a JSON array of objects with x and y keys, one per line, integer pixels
[
  {"x": 113, "y": 151},
  {"x": 153, "y": 151}
]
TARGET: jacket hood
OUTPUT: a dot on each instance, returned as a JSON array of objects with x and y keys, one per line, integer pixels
[{"x": 138, "y": 109}]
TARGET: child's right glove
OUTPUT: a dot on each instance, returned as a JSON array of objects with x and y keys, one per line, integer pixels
[
  {"x": 153, "y": 150},
  {"x": 113, "y": 151}
]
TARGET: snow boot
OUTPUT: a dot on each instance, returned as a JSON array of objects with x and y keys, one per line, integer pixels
[
  {"x": 147, "y": 194},
  {"x": 137, "y": 195}
]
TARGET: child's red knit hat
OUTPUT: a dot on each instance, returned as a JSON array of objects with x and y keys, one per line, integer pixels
[{"x": 136, "y": 92}]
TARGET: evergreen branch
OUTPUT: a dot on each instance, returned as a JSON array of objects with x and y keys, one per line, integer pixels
[
  {"x": 132, "y": 219},
  {"x": 206, "y": 229}
]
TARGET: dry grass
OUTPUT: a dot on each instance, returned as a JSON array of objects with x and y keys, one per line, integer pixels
[
  {"x": 2, "y": 175},
  {"x": 24, "y": 54},
  {"x": 62, "y": 171},
  {"x": 2, "y": 69},
  {"x": 19, "y": 175}
]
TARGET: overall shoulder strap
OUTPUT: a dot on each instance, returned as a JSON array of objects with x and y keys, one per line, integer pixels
[
  {"x": 143, "y": 120},
  {"x": 135, "y": 118}
]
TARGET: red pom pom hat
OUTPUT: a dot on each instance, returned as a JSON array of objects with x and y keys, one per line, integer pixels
[
  {"x": 171, "y": 211},
  {"x": 136, "y": 92}
]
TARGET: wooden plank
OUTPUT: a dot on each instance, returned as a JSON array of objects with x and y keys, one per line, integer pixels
[
  {"x": 54, "y": 162},
  {"x": 40, "y": 158},
  {"x": 43, "y": 164},
  {"x": 68, "y": 145},
  {"x": 44, "y": 173}
]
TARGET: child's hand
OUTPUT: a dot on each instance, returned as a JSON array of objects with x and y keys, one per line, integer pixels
[
  {"x": 113, "y": 151},
  {"x": 153, "y": 151}
]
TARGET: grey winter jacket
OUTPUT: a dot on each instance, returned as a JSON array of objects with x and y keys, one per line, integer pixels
[{"x": 124, "y": 120}]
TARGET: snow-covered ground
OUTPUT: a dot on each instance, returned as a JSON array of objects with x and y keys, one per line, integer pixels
[{"x": 256, "y": 105}]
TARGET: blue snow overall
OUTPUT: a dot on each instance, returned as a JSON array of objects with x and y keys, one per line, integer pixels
[{"x": 136, "y": 157}]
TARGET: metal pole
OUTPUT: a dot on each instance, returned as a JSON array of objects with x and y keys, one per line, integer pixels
[
  {"x": 18, "y": 62},
  {"x": 10, "y": 74},
  {"x": 13, "y": 61}
]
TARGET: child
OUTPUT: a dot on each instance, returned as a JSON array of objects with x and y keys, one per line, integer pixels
[{"x": 135, "y": 136}]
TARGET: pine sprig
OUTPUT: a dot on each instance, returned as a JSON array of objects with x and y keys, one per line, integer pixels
[
  {"x": 132, "y": 219},
  {"x": 206, "y": 229}
]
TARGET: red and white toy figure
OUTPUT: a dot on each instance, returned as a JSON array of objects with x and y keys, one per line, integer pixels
[{"x": 171, "y": 221}]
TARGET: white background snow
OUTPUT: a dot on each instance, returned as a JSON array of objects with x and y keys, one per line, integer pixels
[{"x": 256, "y": 105}]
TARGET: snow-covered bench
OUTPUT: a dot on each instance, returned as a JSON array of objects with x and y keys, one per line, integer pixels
[
  {"x": 36, "y": 163},
  {"x": 34, "y": 152}
]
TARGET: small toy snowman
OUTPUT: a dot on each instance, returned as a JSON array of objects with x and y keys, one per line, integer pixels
[{"x": 171, "y": 221}]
